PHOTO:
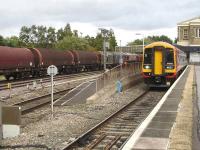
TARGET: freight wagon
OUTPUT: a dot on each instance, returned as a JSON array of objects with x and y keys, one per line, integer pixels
[{"x": 26, "y": 62}]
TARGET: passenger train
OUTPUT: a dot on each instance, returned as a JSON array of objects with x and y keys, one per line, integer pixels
[{"x": 162, "y": 63}]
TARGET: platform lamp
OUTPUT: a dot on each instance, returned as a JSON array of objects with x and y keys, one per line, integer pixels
[
  {"x": 121, "y": 59},
  {"x": 142, "y": 41}
]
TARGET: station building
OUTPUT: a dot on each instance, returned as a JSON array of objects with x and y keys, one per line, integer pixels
[{"x": 189, "y": 38}]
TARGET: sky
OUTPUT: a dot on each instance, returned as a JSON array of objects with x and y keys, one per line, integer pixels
[{"x": 125, "y": 17}]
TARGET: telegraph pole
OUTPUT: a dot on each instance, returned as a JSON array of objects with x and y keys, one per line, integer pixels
[
  {"x": 121, "y": 60},
  {"x": 104, "y": 33}
]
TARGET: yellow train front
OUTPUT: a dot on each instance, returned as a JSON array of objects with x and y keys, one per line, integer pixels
[{"x": 162, "y": 64}]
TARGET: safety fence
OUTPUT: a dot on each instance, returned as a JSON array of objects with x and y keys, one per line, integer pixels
[{"x": 117, "y": 74}]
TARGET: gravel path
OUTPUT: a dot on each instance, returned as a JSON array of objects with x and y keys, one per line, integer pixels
[{"x": 38, "y": 128}]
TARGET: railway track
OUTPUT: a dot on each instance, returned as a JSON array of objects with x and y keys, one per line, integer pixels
[
  {"x": 35, "y": 103},
  {"x": 16, "y": 84},
  {"x": 113, "y": 132}
]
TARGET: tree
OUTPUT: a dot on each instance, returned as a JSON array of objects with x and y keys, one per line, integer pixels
[
  {"x": 51, "y": 37},
  {"x": 41, "y": 36},
  {"x": 38, "y": 36},
  {"x": 60, "y": 34},
  {"x": 47, "y": 37},
  {"x": 99, "y": 42},
  {"x": 33, "y": 35},
  {"x": 112, "y": 40},
  {"x": 91, "y": 41},
  {"x": 67, "y": 30},
  {"x": 73, "y": 43},
  {"x": 163, "y": 38},
  {"x": 75, "y": 33},
  {"x": 24, "y": 36},
  {"x": 136, "y": 42},
  {"x": 2, "y": 41},
  {"x": 13, "y": 41},
  {"x": 151, "y": 39},
  {"x": 176, "y": 40}
]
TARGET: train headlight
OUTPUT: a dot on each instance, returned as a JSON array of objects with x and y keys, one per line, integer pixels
[
  {"x": 147, "y": 66},
  {"x": 169, "y": 67}
]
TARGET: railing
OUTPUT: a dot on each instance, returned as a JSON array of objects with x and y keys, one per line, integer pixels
[{"x": 120, "y": 72}]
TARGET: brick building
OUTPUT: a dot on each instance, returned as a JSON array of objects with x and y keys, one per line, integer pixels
[
  {"x": 189, "y": 32},
  {"x": 189, "y": 38}
]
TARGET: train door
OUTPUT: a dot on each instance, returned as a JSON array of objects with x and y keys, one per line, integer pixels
[{"x": 158, "y": 59}]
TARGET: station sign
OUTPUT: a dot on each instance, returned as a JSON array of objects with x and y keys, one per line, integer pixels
[{"x": 52, "y": 70}]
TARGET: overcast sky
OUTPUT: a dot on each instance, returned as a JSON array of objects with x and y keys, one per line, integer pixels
[{"x": 125, "y": 17}]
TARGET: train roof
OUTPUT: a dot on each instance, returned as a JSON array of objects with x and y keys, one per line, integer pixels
[{"x": 160, "y": 43}]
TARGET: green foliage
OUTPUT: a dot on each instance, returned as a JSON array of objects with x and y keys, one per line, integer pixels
[
  {"x": 160, "y": 38},
  {"x": 97, "y": 42},
  {"x": 75, "y": 33},
  {"x": 73, "y": 43},
  {"x": 136, "y": 42},
  {"x": 12, "y": 41},
  {"x": 51, "y": 37},
  {"x": 151, "y": 39},
  {"x": 2, "y": 41},
  {"x": 64, "y": 38},
  {"x": 67, "y": 30},
  {"x": 37, "y": 36},
  {"x": 112, "y": 40},
  {"x": 176, "y": 40},
  {"x": 91, "y": 40},
  {"x": 24, "y": 36},
  {"x": 60, "y": 34}
]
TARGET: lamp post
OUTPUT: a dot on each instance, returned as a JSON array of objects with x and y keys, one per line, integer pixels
[
  {"x": 120, "y": 53},
  {"x": 104, "y": 33},
  {"x": 142, "y": 41},
  {"x": 121, "y": 60}
]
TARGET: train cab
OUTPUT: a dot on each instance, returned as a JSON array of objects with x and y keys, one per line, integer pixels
[{"x": 161, "y": 64}]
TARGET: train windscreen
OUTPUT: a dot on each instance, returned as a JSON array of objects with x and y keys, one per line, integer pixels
[
  {"x": 169, "y": 56},
  {"x": 148, "y": 56}
]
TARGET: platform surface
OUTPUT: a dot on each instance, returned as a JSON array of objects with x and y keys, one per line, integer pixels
[
  {"x": 156, "y": 135},
  {"x": 196, "y": 143}
]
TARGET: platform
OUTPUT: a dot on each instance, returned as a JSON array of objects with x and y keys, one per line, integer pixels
[
  {"x": 171, "y": 126},
  {"x": 77, "y": 95}
]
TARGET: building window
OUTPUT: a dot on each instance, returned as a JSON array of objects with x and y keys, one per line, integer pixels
[
  {"x": 179, "y": 34},
  {"x": 185, "y": 34},
  {"x": 197, "y": 33}
]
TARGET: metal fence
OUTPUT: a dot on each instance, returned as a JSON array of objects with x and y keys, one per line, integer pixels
[
  {"x": 130, "y": 49},
  {"x": 120, "y": 72}
]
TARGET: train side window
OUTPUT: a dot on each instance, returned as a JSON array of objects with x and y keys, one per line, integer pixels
[
  {"x": 148, "y": 56},
  {"x": 169, "y": 56}
]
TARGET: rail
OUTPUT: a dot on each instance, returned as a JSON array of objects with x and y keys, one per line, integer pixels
[{"x": 114, "y": 130}]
